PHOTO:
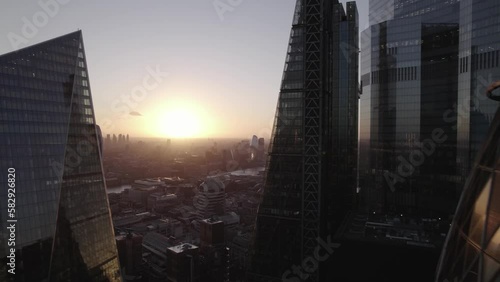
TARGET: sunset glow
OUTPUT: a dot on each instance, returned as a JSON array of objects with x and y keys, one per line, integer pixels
[{"x": 178, "y": 123}]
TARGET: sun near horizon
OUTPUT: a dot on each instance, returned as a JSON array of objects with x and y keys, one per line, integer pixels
[
  {"x": 177, "y": 119},
  {"x": 179, "y": 123}
]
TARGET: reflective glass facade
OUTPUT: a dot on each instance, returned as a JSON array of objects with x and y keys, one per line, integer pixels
[
  {"x": 311, "y": 170},
  {"x": 479, "y": 58},
  {"x": 48, "y": 135},
  {"x": 409, "y": 71},
  {"x": 472, "y": 250}
]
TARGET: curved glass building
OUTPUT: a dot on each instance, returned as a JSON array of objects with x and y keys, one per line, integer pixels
[{"x": 472, "y": 250}]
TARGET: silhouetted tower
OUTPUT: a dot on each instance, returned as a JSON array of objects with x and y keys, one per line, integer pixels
[{"x": 311, "y": 171}]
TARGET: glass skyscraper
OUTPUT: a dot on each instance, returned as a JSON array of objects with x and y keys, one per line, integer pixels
[
  {"x": 311, "y": 171},
  {"x": 49, "y": 144},
  {"x": 411, "y": 74},
  {"x": 479, "y": 58},
  {"x": 425, "y": 65},
  {"x": 472, "y": 251}
]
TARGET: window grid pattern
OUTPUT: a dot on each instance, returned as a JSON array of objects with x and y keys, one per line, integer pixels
[{"x": 48, "y": 134}]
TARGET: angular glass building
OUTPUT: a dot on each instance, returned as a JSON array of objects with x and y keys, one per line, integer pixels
[
  {"x": 311, "y": 171},
  {"x": 49, "y": 144},
  {"x": 472, "y": 250}
]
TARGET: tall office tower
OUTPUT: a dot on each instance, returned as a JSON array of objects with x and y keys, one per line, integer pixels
[
  {"x": 472, "y": 250},
  {"x": 49, "y": 145},
  {"x": 479, "y": 57},
  {"x": 408, "y": 147},
  {"x": 254, "y": 142},
  {"x": 311, "y": 171}
]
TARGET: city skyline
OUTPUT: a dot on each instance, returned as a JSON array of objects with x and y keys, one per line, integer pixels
[
  {"x": 186, "y": 141},
  {"x": 223, "y": 66}
]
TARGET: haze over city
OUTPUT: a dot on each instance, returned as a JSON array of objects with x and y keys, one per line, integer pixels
[
  {"x": 224, "y": 66},
  {"x": 250, "y": 140}
]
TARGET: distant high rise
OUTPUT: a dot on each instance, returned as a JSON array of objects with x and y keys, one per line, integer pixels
[
  {"x": 255, "y": 141},
  {"x": 50, "y": 145},
  {"x": 210, "y": 199},
  {"x": 311, "y": 172}
]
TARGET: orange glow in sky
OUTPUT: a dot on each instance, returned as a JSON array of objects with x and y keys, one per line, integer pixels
[
  {"x": 177, "y": 119},
  {"x": 178, "y": 123}
]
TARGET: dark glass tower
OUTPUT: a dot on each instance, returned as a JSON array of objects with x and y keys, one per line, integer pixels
[
  {"x": 48, "y": 136},
  {"x": 408, "y": 149},
  {"x": 311, "y": 171},
  {"x": 479, "y": 57},
  {"x": 425, "y": 66}
]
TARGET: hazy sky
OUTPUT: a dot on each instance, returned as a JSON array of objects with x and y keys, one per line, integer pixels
[{"x": 224, "y": 66}]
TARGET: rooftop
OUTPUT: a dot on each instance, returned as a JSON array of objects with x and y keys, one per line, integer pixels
[
  {"x": 212, "y": 221},
  {"x": 183, "y": 247},
  {"x": 156, "y": 241}
]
